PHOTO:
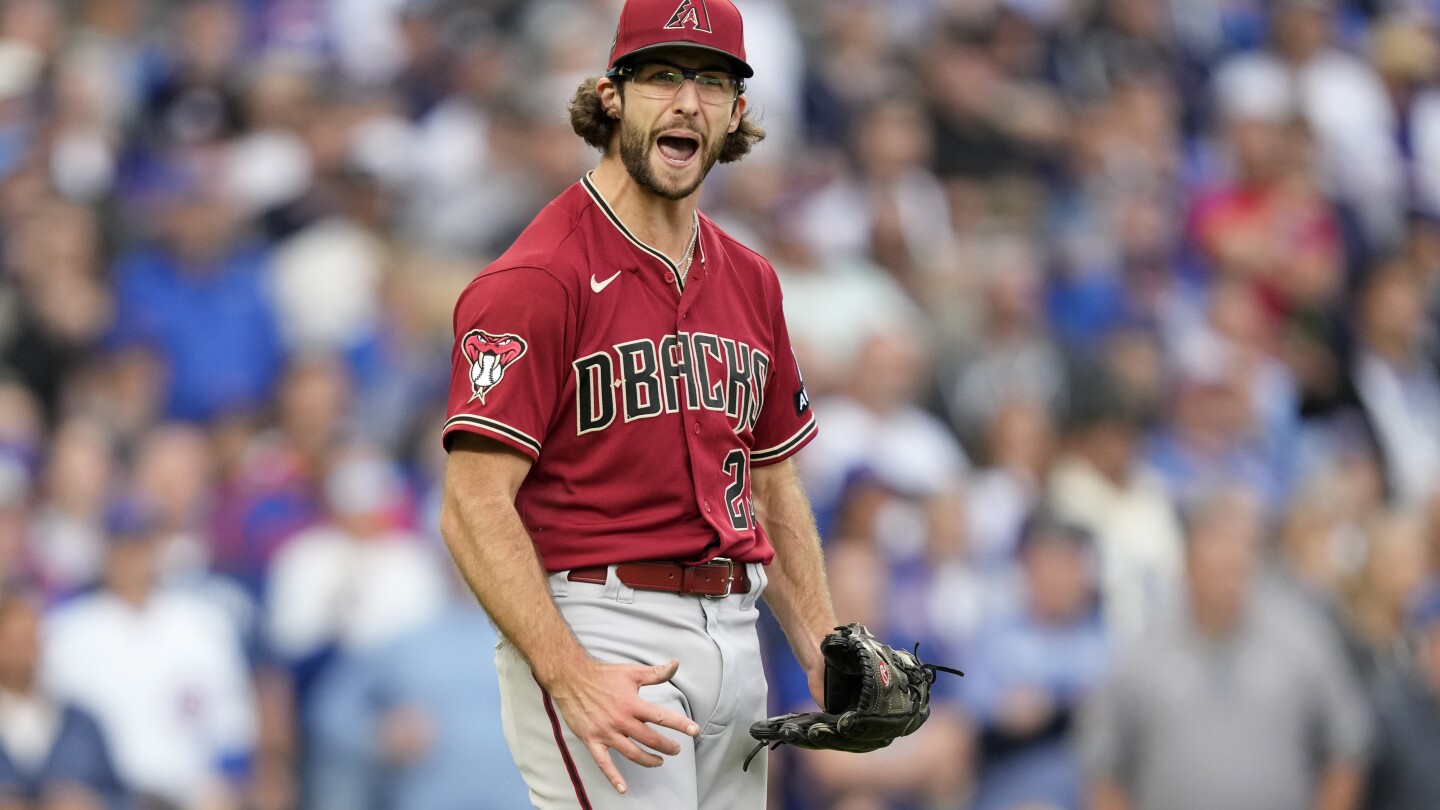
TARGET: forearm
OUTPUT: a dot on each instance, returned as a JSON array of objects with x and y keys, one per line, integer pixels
[
  {"x": 495, "y": 555},
  {"x": 797, "y": 590},
  {"x": 1340, "y": 787}
]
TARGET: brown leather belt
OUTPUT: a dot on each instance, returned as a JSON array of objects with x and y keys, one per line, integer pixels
[{"x": 715, "y": 579}]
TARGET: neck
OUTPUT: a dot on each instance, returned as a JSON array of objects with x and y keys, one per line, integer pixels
[
  {"x": 1214, "y": 622},
  {"x": 21, "y": 684},
  {"x": 663, "y": 224},
  {"x": 1396, "y": 353}
]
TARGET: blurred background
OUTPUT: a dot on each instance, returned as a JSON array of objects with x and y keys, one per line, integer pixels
[{"x": 1119, "y": 318}]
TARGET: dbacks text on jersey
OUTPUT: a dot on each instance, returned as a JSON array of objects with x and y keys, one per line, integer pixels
[{"x": 638, "y": 380}]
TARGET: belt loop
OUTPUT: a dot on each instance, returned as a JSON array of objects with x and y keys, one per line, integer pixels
[
  {"x": 615, "y": 589},
  {"x": 758, "y": 581},
  {"x": 560, "y": 584}
]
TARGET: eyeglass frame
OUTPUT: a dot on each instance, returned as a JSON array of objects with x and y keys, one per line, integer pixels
[{"x": 629, "y": 71}]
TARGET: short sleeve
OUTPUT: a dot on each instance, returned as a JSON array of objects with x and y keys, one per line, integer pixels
[
  {"x": 512, "y": 329},
  {"x": 786, "y": 421}
]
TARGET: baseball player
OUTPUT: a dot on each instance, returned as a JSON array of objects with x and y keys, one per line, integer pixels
[{"x": 624, "y": 405}]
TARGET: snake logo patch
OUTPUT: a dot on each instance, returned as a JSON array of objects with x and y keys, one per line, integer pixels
[{"x": 489, "y": 356}]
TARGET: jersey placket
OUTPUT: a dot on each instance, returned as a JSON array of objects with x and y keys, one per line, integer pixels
[{"x": 713, "y": 505}]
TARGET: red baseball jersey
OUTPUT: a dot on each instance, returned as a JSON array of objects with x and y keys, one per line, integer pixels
[{"x": 643, "y": 401}]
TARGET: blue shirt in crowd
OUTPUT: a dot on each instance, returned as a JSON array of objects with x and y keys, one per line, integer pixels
[
  {"x": 446, "y": 669},
  {"x": 78, "y": 756},
  {"x": 1064, "y": 663},
  {"x": 214, "y": 328}
]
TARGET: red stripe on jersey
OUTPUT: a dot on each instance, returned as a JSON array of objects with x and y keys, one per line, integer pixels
[{"x": 565, "y": 751}]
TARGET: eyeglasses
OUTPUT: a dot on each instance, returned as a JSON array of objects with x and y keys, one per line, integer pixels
[{"x": 659, "y": 80}]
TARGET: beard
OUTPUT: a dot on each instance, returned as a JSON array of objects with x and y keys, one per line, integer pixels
[{"x": 635, "y": 147}]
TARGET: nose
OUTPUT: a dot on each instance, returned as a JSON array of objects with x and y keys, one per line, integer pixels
[{"x": 687, "y": 98}]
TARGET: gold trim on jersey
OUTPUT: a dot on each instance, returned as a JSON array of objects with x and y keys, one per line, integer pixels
[
  {"x": 492, "y": 426},
  {"x": 624, "y": 231},
  {"x": 779, "y": 450}
]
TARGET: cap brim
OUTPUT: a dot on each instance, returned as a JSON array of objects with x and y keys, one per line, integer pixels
[{"x": 741, "y": 68}]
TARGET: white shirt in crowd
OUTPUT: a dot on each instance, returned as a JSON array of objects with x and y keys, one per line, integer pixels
[
  {"x": 167, "y": 682},
  {"x": 327, "y": 587},
  {"x": 1137, "y": 535}
]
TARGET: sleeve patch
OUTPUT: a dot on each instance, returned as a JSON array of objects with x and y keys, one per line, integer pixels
[{"x": 489, "y": 356}]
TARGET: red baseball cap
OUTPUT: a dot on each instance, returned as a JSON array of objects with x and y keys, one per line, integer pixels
[{"x": 711, "y": 25}]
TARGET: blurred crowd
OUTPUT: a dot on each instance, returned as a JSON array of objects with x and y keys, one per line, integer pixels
[{"x": 1119, "y": 318}]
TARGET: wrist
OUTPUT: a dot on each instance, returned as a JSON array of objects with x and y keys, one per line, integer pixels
[
  {"x": 556, "y": 672},
  {"x": 809, "y": 656}
]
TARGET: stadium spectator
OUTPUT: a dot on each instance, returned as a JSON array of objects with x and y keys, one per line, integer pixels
[
  {"x": 1408, "y": 724},
  {"x": 1032, "y": 668},
  {"x": 890, "y": 473},
  {"x": 1376, "y": 599},
  {"x": 1012, "y": 356},
  {"x": 52, "y": 754},
  {"x": 404, "y": 725},
  {"x": 1342, "y": 101},
  {"x": 196, "y": 297},
  {"x": 1269, "y": 223},
  {"x": 162, "y": 672},
  {"x": 891, "y": 210},
  {"x": 1100, "y": 484},
  {"x": 1019, "y": 452},
  {"x": 1396, "y": 383},
  {"x": 1244, "y": 701},
  {"x": 1211, "y": 437},
  {"x": 67, "y": 533},
  {"x": 356, "y": 581},
  {"x": 272, "y": 487}
]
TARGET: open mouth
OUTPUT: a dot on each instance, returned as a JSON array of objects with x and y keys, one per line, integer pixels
[{"x": 677, "y": 149}]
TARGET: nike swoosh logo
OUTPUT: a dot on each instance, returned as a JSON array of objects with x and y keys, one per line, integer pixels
[{"x": 599, "y": 286}]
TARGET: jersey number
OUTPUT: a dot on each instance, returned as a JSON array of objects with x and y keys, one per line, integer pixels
[{"x": 737, "y": 495}]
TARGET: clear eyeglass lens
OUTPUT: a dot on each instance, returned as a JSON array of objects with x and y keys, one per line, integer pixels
[{"x": 662, "y": 81}]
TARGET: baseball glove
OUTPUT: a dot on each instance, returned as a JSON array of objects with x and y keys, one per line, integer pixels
[{"x": 873, "y": 694}]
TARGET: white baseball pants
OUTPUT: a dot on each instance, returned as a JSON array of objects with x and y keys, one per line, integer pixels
[{"x": 720, "y": 684}]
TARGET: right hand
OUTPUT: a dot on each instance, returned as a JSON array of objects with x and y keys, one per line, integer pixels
[{"x": 602, "y": 706}]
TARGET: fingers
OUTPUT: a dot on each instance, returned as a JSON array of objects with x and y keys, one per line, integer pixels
[
  {"x": 628, "y": 749},
  {"x": 652, "y": 739},
  {"x": 635, "y": 753},
  {"x": 601, "y": 752},
  {"x": 672, "y": 720},
  {"x": 660, "y": 673}
]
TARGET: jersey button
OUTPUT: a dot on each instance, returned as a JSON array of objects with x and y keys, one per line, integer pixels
[
  {"x": 697, "y": 428},
  {"x": 669, "y": 278},
  {"x": 707, "y": 506}
]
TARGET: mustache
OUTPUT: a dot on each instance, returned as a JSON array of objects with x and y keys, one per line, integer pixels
[{"x": 655, "y": 133}]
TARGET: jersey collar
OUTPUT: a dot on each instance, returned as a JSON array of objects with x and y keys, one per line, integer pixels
[{"x": 609, "y": 212}]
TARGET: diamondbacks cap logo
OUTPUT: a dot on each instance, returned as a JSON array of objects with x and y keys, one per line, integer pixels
[
  {"x": 489, "y": 356},
  {"x": 692, "y": 14}
]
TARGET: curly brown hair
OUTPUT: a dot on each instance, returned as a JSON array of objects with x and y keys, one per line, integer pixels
[{"x": 588, "y": 119}]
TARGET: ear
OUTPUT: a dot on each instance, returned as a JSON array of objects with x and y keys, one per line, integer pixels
[
  {"x": 736, "y": 113},
  {"x": 609, "y": 93}
]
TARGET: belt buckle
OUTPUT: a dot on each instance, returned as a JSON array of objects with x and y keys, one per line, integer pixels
[{"x": 729, "y": 578}]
